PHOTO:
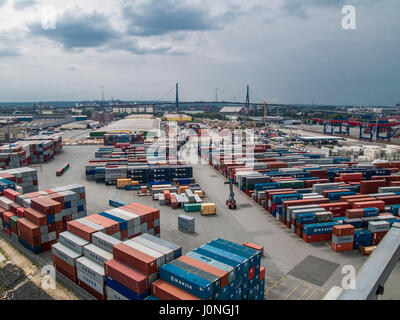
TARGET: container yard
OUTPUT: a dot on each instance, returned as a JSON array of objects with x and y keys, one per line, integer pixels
[
  {"x": 127, "y": 224},
  {"x": 160, "y": 151}
]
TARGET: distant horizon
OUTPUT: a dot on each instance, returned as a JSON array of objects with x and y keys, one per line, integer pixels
[
  {"x": 31, "y": 103},
  {"x": 288, "y": 51}
]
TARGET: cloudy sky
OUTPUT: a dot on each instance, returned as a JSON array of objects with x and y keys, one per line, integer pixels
[{"x": 295, "y": 51}]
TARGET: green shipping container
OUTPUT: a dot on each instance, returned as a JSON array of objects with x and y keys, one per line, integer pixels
[
  {"x": 13, "y": 221},
  {"x": 296, "y": 184},
  {"x": 97, "y": 133},
  {"x": 192, "y": 207}
]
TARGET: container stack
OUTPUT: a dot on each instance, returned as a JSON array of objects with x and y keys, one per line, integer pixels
[
  {"x": 186, "y": 224},
  {"x": 122, "y": 223},
  {"x": 113, "y": 173},
  {"x": 135, "y": 266},
  {"x": 36, "y": 219},
  {"x": 343, "y": 238},
  {"x": 18, "y": 157},
  {"x": 378, "y": 230},
  {"x": 219, "y": 270},
  {"x": 90, "y": 270},
  {"x": 362, "y": 238},
  {"x": 66, "y": 252},
  {"x": 25, "y": 177}
]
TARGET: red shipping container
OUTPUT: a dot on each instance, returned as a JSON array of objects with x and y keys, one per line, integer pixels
[
  {"x": 11, "y": 194},
  {"x": 111, "y": 226},
  {"x": 151, "y": 212},
  {"x": 81, "y": 230},
  {"x": 337, "y": 208},
  {"x": 357, "y": 196},
  {"x": 326, "y": 192},
  {"x": 343, "y": 230},
  {"x": 223, "y": 275},
  {"x": 165, "y": 291},
  {"x": 157, "y": 230},
  {"x": 302, "y": 202},
  {"x": 369, "y": 204},
  {"x": 65, "y": 266},
  {"x": 135, "y": 259},
  {"x": 262, "y": 273},
  {"x": 93, "y": 292},
  {"x": 389, "y": 200},
  {"x": 24, "y": 225},
  {"x": 47, "y": 246},
  {"x": 58, "y": 263},
  {"x": 130, "y": 278},
  {"x": 319, "y": 173},
  {"x": 7, "y": 215},
  {"x": 317, "y": 237},
  {"x": 254, "y": 246},
  {"x": 351, "y": 177},
  {"x": 366, "y": 199},
  {"x": 342, "y": 247},
  {"x": 354, "y": 213},
  {"x": 21, "y": 212},
  {"x": 35, "y": 216},
  {"x": 371, "y": 186},
  {"x": 251, "y": 273},
  {"x": 378, "y": 235}
]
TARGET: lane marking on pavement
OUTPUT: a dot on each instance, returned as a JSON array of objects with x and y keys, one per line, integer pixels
[
  {"x": 275, "y": 285},
  {"x": 293, "y": 291},
  {"x": 309, "y": 287},
  {"x": 312, "y": 293}
]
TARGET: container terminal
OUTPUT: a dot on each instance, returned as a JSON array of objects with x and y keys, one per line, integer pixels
[{"x": 185, "y": 207}]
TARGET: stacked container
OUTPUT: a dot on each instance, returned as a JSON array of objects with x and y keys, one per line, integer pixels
[
  {"x": 219, "y": 270},
  {"x": 186, "y": 224},
  {"x": 343, "y": 238}
]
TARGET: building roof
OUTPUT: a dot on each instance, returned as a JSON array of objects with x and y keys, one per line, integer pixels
[{"x": 231, "y": 109}]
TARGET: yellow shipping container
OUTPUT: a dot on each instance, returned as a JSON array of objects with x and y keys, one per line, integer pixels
[
  {"x": 182, "y": 189},
  {"x": 200, "y": 193},
  {"x": 208, "y": 209},
  {"x": 121, "y": 183}
]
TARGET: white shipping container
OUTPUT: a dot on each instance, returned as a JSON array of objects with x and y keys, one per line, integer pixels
[
  {"x": 97, "y": 254},
  {"x": 72, "y": 241},
  {"x": 65, "y": 253},
  {"x": 90, "y": 269},
  {"x": 104, "y": 241},
  {"x": 97, "y": 286},
  {"x": 114, "y": 295}
]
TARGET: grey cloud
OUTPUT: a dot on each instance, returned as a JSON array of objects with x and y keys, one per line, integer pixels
[
  {"x": 22, "y": 4},
  {"x": 79, "y": 30},
  {"x": 156, "y": 17},
  {"x": 299, "y": 8},
  {"x": 132, "y": 46},
  {"x": 9, "y": 52}
]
